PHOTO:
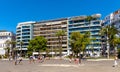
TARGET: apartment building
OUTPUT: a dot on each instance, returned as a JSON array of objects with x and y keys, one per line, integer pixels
[
  {"x": 111, "y": 19},
  {"x": 5, "y": 36},
  {"x": 48, "y": 29},
  {"x": 80, "y": 24},
  {"x": 24, "y": 33}
]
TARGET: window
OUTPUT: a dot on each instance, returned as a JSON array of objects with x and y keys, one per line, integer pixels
[
  {"x": 25, "y": 26},
  {"x": 9, "y": 34},
  {"x": 97, "y": 22}
]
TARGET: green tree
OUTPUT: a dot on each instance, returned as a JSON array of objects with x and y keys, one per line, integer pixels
[
  {"x": 10, "y": 46},
  {"x": 89, "y": 19},
  {"x": 110, "y": 33},
  {"x": 47, "y": 52},
  {"x": 37, "y": 44},
  {"x": 60, "y": 35},
  {"x": 91, "y": 42},
  {"x": 118, "y": 52},
  {"x": 21, "y": 44},
  {"x": 114, "y": 42},
  {"x": 7, "y": 49},
  {"x": 13, "y": 44},
  {"x": 79, "y": 42}
]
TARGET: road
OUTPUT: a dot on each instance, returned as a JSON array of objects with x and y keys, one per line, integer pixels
[{"x": 59, "y": 66}]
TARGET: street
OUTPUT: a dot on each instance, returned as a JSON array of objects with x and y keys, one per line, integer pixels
[{"x": 59, "y": 66}]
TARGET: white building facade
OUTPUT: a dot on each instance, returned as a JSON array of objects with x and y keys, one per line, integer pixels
[
  {"x": 24, "y": 33},
  {"x": 5, "y": 36}
]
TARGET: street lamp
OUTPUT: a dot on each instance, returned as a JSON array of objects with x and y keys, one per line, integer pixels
[
  {"x": 52, "y": 42},
  {"x": 108, "y": 48}
]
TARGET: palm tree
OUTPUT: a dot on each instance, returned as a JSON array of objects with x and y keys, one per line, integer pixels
[
  {"x": 10, "y": 45},
  {"x": 114, "y": 42},
  {"x": 8, "y": 49},
  {"x": 89, "y": 18},
  {"x": 15, "y": 52},
  {"x": 91, "y": 42},
  {"x": 60, "y": 35},
  {"x": 21, "y": 44},
  {"x": 110, "y": 32}
]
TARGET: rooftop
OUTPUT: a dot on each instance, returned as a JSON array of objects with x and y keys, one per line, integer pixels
[{"x": 25, "y": 23}]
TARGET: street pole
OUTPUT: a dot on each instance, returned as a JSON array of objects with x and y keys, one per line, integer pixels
[
  {"x": 108, "y": 48},
  {"x": 90, "y": 36},
  {"x": 52, "y": 42}
]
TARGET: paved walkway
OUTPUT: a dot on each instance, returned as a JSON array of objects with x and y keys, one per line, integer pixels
[{"x": 59, "y": 66}]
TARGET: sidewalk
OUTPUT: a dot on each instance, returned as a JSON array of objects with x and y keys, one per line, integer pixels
[
  {"x": 8, "y": 59},
  {"x": 68, "y": 59},
  {"x": 94, "y": 59},
  {"x": 99, "y": 59}
]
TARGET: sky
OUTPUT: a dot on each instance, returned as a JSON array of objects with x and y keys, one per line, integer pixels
[{"x": 13, "y": 12}]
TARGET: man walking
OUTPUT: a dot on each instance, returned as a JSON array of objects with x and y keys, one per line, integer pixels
[{"x": 115, "y": 61}]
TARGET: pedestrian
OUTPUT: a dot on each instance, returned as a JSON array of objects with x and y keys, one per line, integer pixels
[
  {"x": 30, "y": 59},
  {"x": 39, "y": 59},
  {"x": 115, "y": 61},
  {"x": 70, "y": 58},
  {"x": 33, "y": 58},
  {"x": 20, "y": 60},
  {"x": 42, "y": 58},
  {"x": 76, "y": 60},
  {"x": 15, "y": 60},
  {"x": 80, "y": 58},
  {"x": 10, "y": 58}
]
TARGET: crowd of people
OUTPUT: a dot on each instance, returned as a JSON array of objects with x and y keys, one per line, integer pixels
[
  {"x": 32, "y": 59},
  {"x": 40, "y": 58}
]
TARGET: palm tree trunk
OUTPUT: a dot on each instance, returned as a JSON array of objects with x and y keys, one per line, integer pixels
[
  {"x": 21, "y": 51},
  {"x": 59, "y": 45},
  {"x": 108, "y": 47},
  {"x": 114, "y": 51},
  {"x": 89, "y": 44}
]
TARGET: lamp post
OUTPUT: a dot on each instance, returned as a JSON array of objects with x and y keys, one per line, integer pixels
[
  {"x": 108, "y": 48},
  {"x": 52, "y": 42}
]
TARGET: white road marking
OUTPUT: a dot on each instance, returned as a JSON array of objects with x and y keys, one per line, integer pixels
[{"x": 61, "y": 65}]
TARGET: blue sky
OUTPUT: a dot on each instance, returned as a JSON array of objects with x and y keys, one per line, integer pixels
[{"x": 15, "y": 11}]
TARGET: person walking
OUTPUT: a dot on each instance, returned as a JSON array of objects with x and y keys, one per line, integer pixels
[
  {"x": 15, "y": 59},
  {"x": 20, "y": 60},
  {"x": 80, "y": 58},
  {"x": 70, "y": 58},
  {"x": 115, "y": 61},
  {"x": 42, "y": 58},
  {"x": 33, "y": 58},
  {"x": 39, "y": 59},
  {"x": 10, "y": 58},
  {"x": 30, "y": 59}
]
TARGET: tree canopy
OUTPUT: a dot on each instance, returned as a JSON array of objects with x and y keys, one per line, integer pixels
[
  {"x": 60, "y": 35},
  {"x": 79, "y": 41},
  {"x": 110, "y": 32},
  {"x": 10, "y": 44},
  {"x": 37, "y": 44}
]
